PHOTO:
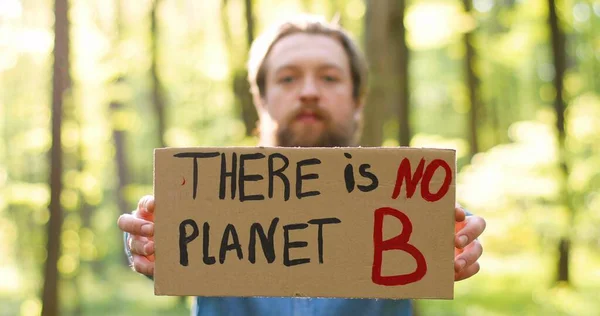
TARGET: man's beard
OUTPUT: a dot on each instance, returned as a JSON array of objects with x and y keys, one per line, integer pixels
[{"x": 330, "y": 136}]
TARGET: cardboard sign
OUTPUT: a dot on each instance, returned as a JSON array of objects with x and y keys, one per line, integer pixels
[{"x": 314, "y": 222}]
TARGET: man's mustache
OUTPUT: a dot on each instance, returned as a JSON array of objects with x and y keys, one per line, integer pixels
[{"x": 310, "y": 109}]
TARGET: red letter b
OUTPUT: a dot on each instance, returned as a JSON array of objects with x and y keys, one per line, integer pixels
[{"x": 399, "y": 242}]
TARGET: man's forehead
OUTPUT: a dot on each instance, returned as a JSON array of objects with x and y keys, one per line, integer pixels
[{"x": 311, "y": 49}]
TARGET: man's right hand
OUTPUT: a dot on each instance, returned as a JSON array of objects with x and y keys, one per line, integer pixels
[{"x": 140, "y": 226}]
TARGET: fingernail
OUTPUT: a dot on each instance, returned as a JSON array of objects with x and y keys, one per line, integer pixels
[
  {"x": 461, "y": 264},
  {"x": 147, "y": 229},
  {"x": 462, "y": 241},
  {"x": 148, "y": 248}
]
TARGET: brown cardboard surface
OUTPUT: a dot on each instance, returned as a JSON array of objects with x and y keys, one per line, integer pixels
[{"x": 325, "y": 239}]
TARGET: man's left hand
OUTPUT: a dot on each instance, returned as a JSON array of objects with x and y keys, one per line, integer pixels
[{"x": 467, "y": 248}]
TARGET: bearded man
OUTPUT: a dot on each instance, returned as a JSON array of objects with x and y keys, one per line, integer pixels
[{"x": 308, "y": 81}]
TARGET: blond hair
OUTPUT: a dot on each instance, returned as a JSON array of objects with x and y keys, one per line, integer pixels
[{"x": 310, "y": 24}]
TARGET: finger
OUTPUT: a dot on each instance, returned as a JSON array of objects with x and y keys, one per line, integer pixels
[
  {"x": 459, "y": 213},
  {"x": 467, "y": 272},
  {"x": 135, "y": 226},
  {"x": 474, "y": 226},
  {"x": 141, "y": 246},
  {"x": 142, "y": 265},
  {"x": 468, "y": 257},
  {"x": 145, "y": 208}
]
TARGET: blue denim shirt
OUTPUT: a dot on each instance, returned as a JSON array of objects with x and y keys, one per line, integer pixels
[{"x": 278, "y": 306}]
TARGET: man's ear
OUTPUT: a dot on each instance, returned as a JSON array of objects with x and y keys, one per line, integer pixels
[
  {"x": 358, "y": 111},
  {"x": 259, "y": 102},
  {"x": 358, "y": 121}
]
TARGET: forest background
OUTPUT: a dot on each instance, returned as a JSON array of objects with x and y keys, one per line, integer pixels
[{"x": 89, "y": 88}]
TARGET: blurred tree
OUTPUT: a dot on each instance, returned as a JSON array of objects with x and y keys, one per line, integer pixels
[
  {"x": 241, "y": 86},
  {"x": 559, "y": 58},
  {"x": 158, "y": 95},
  {"x": 117, "y": 108},
  {"x": 119, "y": 134},
  {"x": 239, "y": 80},
  {"x": 472, "y": 85},
  {"x": 375, "y": 38},
  {"x": 400, "y": 62},
  {"x": 119, "y": 128},
  {"x": 517, "y": 181},
  {"x": 389, "y": 93},
  {"x": 61, "y": 82}
]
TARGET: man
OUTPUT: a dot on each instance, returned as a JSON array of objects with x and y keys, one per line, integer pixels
[{"x": 308, "y": 81}]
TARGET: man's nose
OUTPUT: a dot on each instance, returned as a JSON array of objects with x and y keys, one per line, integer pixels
[{"x": 309, "y": 91}]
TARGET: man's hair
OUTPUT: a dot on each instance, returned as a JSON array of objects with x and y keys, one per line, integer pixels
[{"x": 309, "y": 24}]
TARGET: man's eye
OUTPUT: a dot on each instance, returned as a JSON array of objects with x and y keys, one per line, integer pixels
[
  {"x": 286, "y": 79},
  {"x": 330, "y": 78}
]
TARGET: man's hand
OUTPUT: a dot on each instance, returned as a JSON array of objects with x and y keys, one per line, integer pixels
[
  {"x": 467, "y": 248},
  {"x": 140, "y": 226}
]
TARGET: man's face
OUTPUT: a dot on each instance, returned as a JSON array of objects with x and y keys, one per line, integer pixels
[{"x": 308, "y": 100}]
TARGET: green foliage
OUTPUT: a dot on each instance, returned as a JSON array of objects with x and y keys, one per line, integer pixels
[{"x": 513, "y": 183}]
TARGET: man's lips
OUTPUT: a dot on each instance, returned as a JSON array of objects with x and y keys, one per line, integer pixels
[{"x": 308, "y": 117}]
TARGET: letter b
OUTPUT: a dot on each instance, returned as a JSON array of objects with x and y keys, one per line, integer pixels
[{"x": 399, "y": 242}]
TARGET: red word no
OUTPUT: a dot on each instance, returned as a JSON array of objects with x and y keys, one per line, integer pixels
[
  {"x": 405, "y": 174},
  {"x": 399, "y": 242}
]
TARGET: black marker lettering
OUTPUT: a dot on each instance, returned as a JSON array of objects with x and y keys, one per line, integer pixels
[
  {"x": 225, "y": 246},
  {"x": 184, "y": 239},
  {"x": 295, "y": 244},
  {"x": 249, "y": 177},
  {"x": 266, "y": 242},
  {"x": 321, "y": 222},
  {"x": 366, "y": 174},
  {"x": 280, "y": 174},
  {"x": 206, "y": 257},
  {"x": 349, "y": 175},
  {"x": 309, "y": 176},
  {"x": 195, "y": 171},
  {"x": 225, "y": 174}
]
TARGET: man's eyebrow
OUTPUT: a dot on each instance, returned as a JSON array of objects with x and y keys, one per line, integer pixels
[
  {"x": 285, "y": 67},
  {"x": 331, "y": 65},
  {"x": 320, "y": 67}
]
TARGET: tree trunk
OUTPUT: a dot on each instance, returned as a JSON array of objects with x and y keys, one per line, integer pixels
[
  {"x": 399, "y": 40},
  {"x": 241, "y": 85},
  {"x": 559, "y": 57},
  {"x": 60, "y": 84},
  {"x": 241, "y": 89},
  {"x": 249, "y": 14},
  {"x": 389, "y": 93},
  {"x": 239, "y": 81},
  {"x": 376, "y": 36},
  {"x": 472, "y": 85},
  {"x": 119, "y": 134},
  {"x": 158, "y": 99},
  {"x": 121, "y": 161}
]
